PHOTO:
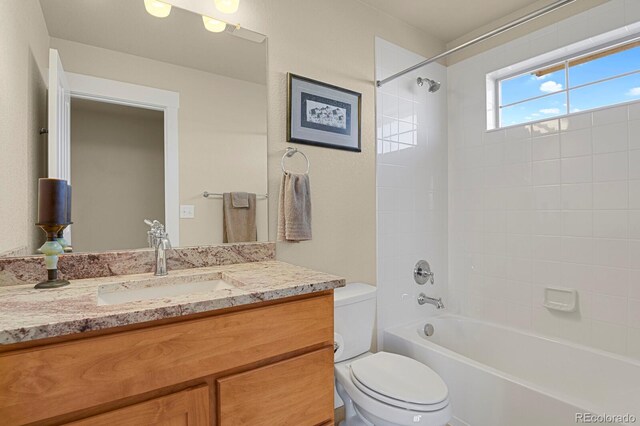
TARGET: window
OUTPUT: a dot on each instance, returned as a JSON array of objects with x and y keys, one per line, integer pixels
[{"x": 600, "y": 78}]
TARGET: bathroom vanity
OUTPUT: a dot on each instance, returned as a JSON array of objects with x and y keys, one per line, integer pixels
[{"x": 254, "y": 349}]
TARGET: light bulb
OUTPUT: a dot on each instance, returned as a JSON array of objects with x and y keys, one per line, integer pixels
[
  {"x": 157, "y": 8},
  {"x": 227, "y": 6},
  {"x": 213, "y": 25}
]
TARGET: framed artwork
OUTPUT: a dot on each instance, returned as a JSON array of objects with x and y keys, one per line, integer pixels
[{"x": 323, "y": 115}]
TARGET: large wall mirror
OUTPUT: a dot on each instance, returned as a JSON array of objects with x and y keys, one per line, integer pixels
[{"x": 144, "y": 115}]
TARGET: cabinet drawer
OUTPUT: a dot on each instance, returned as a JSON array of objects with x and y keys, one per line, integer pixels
[
  {"x": 187, "y": 408},
  {"x": 295, "y": 392}
]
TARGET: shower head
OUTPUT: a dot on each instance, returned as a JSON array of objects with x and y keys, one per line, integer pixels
[{"x": 434, "y": 86}]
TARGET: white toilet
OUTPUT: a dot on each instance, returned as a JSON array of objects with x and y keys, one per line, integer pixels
[{"x": 381, "y": 389}]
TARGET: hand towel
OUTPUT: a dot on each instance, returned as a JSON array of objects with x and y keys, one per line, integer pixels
[
  {"x": 240, "y": 200},
  {"x": 239, "y": 224},
  {"x": 294, "y": 212}
]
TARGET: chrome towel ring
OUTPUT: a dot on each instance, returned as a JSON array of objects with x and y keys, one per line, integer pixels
[{"x": 290, "y": 153}]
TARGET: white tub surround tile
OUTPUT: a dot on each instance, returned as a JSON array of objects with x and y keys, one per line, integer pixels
[
  {"x": 611, "y": 167},
  {"x": 577, "y": 170},
  {"x": 558, "y": 201},
  {"x": 577, "y": 143},
  {"x": 412, "y": 190}
]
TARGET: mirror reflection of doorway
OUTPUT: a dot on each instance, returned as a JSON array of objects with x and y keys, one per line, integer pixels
[{"x": 117, "y": 159}]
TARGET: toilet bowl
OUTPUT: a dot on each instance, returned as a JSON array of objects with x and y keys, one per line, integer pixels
[
  {"x": 386, "y": 389},
  {"x": 380, "y": 389}
]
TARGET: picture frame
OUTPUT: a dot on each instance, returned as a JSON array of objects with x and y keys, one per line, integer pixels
[{"x": 322, "y": 114}]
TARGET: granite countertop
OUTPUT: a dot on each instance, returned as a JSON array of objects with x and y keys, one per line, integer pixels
[{"x": 27, "y": 314}]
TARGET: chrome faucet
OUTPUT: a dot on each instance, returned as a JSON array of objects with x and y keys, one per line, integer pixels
[
  {"x": 423, "y": 298},
  {"x": 159, "y": 240}
]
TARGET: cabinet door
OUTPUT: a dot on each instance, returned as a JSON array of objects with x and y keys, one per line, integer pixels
[
  {"x": 297, "y": 392},
  {"x": 186, "y": 408}
]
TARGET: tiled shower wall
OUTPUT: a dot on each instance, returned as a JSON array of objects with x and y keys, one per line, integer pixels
[
  {"x": 411, "y": 186},
  {"x": 554, "y": 203}
]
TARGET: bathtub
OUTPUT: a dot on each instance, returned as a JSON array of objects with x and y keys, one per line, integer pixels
[{"x": 501, "y": 376}]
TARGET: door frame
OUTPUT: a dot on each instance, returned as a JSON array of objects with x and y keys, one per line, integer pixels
[{"x": 117, "y": 92}]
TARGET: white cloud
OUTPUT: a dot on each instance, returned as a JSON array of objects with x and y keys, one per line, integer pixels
[
  {"x": 550, "y": 86},
  {"x": 634, "y": 92},
  {"x": 550, "y": 110}
]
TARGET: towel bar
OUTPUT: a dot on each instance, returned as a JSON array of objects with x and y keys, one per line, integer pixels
[{"x": 206, "y": 194}]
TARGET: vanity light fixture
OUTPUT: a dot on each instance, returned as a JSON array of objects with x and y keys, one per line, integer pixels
[
  {"x": 161, "y": 9},
  {"x": 213, "y": 25},
  {"x": 227, "y": 6},
  {"x": 157, "y": 8}
]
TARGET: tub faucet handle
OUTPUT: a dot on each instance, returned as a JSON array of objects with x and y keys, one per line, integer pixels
[{"x": 422, "y": 273}]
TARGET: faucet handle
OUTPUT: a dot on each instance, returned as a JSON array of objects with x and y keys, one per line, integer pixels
[
  {"x": 154, "y": 224},
  {"x": 156, "y": 232},
  {"x": 422, "y": 273}
]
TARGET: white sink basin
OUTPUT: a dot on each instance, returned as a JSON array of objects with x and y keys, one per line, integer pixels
[{"x": 111, "y": 294}]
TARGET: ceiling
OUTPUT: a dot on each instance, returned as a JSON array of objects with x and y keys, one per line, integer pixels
[
  {"x": 180, "y": 39},
  {"x": 449, "y": 19}
]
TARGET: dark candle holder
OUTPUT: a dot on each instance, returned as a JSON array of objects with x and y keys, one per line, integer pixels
[{"x": 51, "y": 250}]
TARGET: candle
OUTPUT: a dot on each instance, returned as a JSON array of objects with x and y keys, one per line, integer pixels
[
  {"x": 52, "y": 201},
  {"x": 68, "y": 203}
]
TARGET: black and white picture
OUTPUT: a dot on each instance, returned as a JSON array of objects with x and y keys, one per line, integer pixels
[
  {"x": 323, "y": 115},
  {"x": 326, "y": 114}
]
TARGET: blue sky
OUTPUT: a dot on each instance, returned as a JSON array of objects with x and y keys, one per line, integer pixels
[{"x": 610, "y": 92}]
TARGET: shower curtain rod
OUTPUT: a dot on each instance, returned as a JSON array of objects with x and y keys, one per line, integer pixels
[{"x": 531, "y": 16}]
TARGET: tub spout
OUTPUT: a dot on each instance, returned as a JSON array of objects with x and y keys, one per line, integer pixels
[{"x": 423, "y": 298}]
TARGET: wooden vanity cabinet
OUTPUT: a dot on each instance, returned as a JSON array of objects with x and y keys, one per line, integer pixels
[{"x": 262, "y": 364}]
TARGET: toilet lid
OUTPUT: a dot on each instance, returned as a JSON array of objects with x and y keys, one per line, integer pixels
[{"x": 400, "y": 378}]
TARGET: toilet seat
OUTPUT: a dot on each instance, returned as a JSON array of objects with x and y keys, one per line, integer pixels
[
  {"x": 368, "y": 407},
  {"x": 423, "y": 408},
  {"x": 400, "y": 382}
]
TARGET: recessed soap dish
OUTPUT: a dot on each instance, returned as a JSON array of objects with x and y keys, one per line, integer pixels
[{"x": 561, "y": 299}]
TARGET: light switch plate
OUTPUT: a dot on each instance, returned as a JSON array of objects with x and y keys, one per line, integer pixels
[{"x": 187, "y": 211}]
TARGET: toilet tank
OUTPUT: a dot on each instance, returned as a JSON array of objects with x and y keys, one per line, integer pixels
[{"x": 354, "y": 316}]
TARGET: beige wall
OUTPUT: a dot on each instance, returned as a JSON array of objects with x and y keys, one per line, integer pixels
[
  {"x": 23, "y": 61},
  {"x": 117, "y": 164},
  {"x": 221, "y": 124},
  {"x": 332, "y": 41},
  {"x": 334, "y": 44}
]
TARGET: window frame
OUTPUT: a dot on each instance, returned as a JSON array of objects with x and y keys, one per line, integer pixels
[{"x": 565, "y": 61}]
